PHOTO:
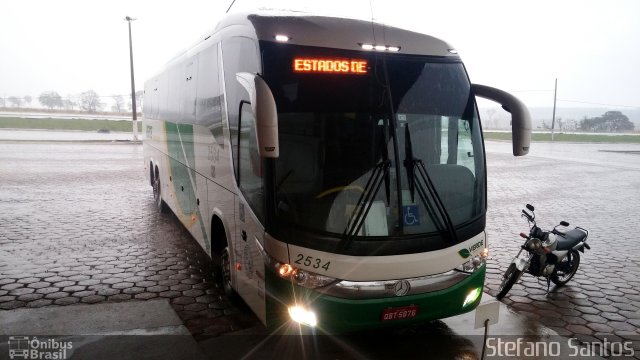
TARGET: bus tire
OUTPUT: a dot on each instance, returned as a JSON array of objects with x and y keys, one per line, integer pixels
[
  {"x": 225, "y": 275},
  {"x": 157, "y": 195}
]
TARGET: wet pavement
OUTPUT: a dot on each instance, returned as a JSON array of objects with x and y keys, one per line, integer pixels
[
  {"x": 588, "y": 187},
  {"x": 151, "y": 330},
  {"x": 78, "y": 225}
]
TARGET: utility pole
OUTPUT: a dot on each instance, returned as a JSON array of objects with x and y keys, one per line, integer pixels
[
  {"x": 553, "y": 121},
  {"x": 133, "y": 84}
]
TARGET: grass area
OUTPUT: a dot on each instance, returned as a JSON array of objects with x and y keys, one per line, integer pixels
[
  {"x": 125, "y": 126},
  {"x": 587, "y": 138},
  {"x": 66, "y": 124}
]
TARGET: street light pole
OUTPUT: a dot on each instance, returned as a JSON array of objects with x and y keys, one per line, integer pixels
[
  {"x": 133, "y": 84},
  {"x": 553, "y": 120}
]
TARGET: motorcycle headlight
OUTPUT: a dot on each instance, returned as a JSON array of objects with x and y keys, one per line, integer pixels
[{"x": 534, "y": 244}]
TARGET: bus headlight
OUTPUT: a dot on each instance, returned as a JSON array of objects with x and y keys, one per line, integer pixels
[
  {"x": 475, "y": 262},
  {"x": 311, "y": 280},
  {"x": 285, "y": 270},
  {"x": 302, "y": 277}
]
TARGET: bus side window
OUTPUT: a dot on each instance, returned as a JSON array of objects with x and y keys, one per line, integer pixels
[
  {"x": 209, "y": 93},
  {"x": 249, "y": 162},
  {"x": 239, "y": 54}
]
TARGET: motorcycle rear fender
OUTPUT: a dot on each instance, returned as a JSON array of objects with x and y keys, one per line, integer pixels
[{"x": 580, "y": 247}]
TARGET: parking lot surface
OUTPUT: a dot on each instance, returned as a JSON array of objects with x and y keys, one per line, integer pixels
[
  {"x": 78, "y": 225},
  {"x": 595, "y": 186}
]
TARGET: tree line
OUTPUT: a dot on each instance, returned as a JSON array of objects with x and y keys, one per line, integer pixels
[
  {"x": 88, "y": 101},
  {"x": 610, "y": 121}
]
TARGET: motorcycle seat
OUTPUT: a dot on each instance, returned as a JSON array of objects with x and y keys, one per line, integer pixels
[{"x": 570, "y": 239}]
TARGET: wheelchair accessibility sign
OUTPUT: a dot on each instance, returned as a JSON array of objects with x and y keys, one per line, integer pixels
[{"x": 411, "y": 215}]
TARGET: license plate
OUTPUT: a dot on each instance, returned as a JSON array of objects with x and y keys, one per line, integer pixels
[{"x": 400, "y": 313}]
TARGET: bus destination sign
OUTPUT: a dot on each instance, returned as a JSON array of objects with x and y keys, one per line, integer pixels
[{"x": 330, "y": 66}]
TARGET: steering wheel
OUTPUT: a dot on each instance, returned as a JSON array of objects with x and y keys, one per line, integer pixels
[{"x": 339, "y": 189}]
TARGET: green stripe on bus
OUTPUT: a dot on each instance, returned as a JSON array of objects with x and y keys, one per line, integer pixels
[{"x": 182, "y": 151}]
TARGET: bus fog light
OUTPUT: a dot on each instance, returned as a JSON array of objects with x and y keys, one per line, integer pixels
[
  {"x": 303, "y": 316},
  {"x": 472, "y": 296}
]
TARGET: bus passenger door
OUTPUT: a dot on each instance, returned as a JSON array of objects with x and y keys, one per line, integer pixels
[
  {"x": 249, "y": 215},
  {"x": 249, "y": 263}
]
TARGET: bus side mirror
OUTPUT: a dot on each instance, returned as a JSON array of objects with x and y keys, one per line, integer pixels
[
  {"x": 265, "y": 113},
  {"x": 520, "y": 118}
]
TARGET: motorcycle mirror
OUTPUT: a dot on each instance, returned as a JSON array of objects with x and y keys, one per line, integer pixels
[
  {"x": 564, "y": 223},
  {"x": 530, "y": 207}
]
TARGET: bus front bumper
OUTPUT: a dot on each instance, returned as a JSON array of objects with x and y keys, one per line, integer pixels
[{"x": 335, "y": 315}]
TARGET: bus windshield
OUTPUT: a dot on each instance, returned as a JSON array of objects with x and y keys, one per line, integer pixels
[{"x": 388, "y": 142}]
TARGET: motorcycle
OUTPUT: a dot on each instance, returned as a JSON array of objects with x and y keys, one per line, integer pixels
[{"x": 553, "y": 255}]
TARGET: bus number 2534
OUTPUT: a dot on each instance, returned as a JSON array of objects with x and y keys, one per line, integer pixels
[{"x": 315, "y": 263}]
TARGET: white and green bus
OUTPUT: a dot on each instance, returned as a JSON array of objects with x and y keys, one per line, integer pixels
[{"x": 336, "y": 167}]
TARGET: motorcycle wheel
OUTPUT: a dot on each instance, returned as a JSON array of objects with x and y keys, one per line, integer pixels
[
  {"x": 510, "y": 277},
  {"x": 566, "y": 268}
]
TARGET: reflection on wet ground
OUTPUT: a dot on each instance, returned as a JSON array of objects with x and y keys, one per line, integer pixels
[
  {"x": 434, "y": 341},
  {"x": 78, "y": 225}
]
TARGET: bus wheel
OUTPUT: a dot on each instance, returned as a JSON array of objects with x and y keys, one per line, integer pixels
[
  {"x": 157, "y": 195},
  {"x": 225, "y": 264}
]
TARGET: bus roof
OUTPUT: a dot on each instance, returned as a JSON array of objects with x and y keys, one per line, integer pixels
[
  {"x": 335, "y": 32},
  {"x": 317, "y": 30}
]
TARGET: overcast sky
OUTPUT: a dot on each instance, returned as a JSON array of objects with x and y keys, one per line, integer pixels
[{"x": 592, "y": 47}]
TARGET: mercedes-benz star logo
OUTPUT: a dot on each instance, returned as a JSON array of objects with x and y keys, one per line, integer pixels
[{"x": 401, "y": 288}]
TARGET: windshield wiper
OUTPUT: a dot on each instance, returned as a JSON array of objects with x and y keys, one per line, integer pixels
[
  {"x": 411, "y": 164},
  {"x": 360, "y": 211},
  {"x": 385, "y": 157},
  {"x": 379, "y": 174}
]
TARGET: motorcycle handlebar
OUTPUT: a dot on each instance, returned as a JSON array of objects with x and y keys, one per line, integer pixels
[{"x": 530, "y": 218}]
